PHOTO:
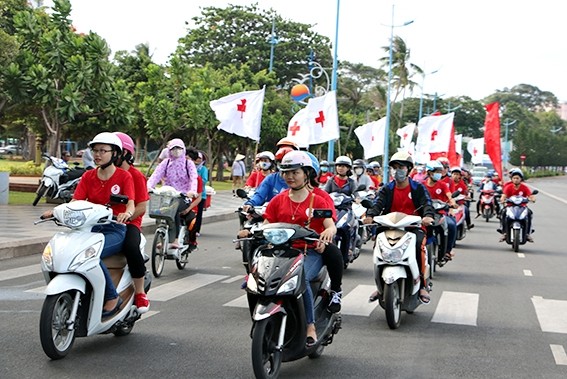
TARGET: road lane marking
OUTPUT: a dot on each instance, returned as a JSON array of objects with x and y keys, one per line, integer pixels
[
  {"x": 457, "y": 308},
  {"x": 356, "y": 302},
  {"x": 19, "y": 272},
  {"x": 559, "y": 354},
  {"x": 551, "y": 314},
  {"x": 180, "y": 287},
  {"x": 37, "y": 290},
  {"x": 528, "y": 273},
  {"x": 550, "y": 195},
  {"x": 521, "y": 255},
  {"x": 148, "y": 314},
  {"x": 239, "y": 302},
  {"x": 233, "y": 279}
]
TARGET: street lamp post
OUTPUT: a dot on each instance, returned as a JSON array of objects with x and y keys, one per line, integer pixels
[
  {"x": 507, "y": 123},
  {"x": 273, "y": 42},
  {"x": 421, "y": 98},
  {"x": 388, "y": 105},
  {"x": 331, "y": 144}
]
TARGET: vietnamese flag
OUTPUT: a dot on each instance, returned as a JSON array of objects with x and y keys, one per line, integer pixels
[{"x": 492, "y": 136}]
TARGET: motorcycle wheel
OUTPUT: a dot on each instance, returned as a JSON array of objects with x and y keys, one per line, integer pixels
[
  {"x": 392, "y": 305},
  {"x": 516, "y": 240},
  {"x": 158, "y": 254},
  {"x": 40, "y": 193},
  {"x": 487, "y": 215},
  {"x": 181, "y": 263},
  {"x": 431, "y": 259},
  {"x": 266, "y": 358},
  {"x": 56, "y": 339}
]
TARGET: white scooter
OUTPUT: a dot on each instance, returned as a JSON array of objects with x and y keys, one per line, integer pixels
[
  {"x": 58, "y": 180},
  {"x": 396, "y": 271},
  {"x": 75, "y": 281}
]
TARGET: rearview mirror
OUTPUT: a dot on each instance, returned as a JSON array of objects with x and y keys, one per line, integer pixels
[
  {"x": 241, "y": 193},
  {"x": 366, "y": 204},
  {"x": 118, "y": 199},
  {"x": 322, "y": 213}
]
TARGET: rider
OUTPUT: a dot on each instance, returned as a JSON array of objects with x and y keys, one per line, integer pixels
[
  {"x": 342, "y": 182},
  {"x": 373, "y": 170},
  {"x": 266, "y": 163},
  {"x": 408, "y": 196},
  {"x": 516, "y": 187},
  {"x": 460, "y": 185},
  {"x": 179, "y": 173},
  {"x": 487, "y": 184},
  {"x": 131, "y": 247},
  {"x": 445, "y": 173},
  {"x": 293, "y": 206},
  {"x": 191, "y": 213},
  {"x": 97, "y": 186},
  {"x": 325, "y": 174},
  {"x": 360, "y": 178},
  {"x": 439, "y": 190}
]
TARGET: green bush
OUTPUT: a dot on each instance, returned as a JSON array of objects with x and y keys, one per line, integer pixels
[{"x": 26, "y": 169}]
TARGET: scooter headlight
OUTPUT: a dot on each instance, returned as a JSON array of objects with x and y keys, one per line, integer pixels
[
  {"x": 73, "y": 218},
  {"x": 393, "y": 254},
  {"x": 288, "y": 286},
  {"x": 278, "y": 236},
  {"x": 87, "y": 254},
  {"x": 47, "y": 257}
]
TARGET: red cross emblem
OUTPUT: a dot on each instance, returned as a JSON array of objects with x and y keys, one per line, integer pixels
[
  {"x": 320, "y": 119},
  {"x": 241, "y": 107},
  {"x": 433, "y": 135},
  {"x": 475, "y": 151},
  {"x": 294, "y": 128}
]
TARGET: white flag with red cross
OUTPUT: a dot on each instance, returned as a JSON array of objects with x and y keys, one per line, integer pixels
[
  {"x": 323, "y": 118},
  {"x": 371, "y": 136},
  {"x": 434, "y": 133},
  {"x": 406, "y": 134},
  {"x": 240, "y": 113},
  {"x": 298, "y": 128},
  {"x": 476, "y": 149}
]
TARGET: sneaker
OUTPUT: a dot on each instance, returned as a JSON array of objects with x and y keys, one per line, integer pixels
[
  {"x": 335, "y": 303},
  {"x": 470, "y": 226},
  {"x": 502, "y": 238},
  {"x": 142, "y": 303},
  {"x": 192, "y": 246},
  {"x": 530, "y": 238}
]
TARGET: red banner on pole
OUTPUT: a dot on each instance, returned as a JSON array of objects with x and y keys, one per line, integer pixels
[{"x": 492, "y": 136}]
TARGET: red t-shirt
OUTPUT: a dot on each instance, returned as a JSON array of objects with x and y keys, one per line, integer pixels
[
  {"x": 461, "y": 186},
  {"x": 438, "y": 190},
  {"x": 200, "y": 189},
  {"x": 282, "y": 209},
  {"x": 511, "y": 190},
  {"x": 328, "y": 201},
  {"x": 402, "y": 201},
  {"x": 447, "y": 179},
  {"x": 375, "y": 180},
  {"x": 255, "y": 179},
  {"x": 141, "y": 190},
  {"x": 97, "y": 191},
  {"x": 340, "y": 182},
  {"x": 324, "y": 177}
]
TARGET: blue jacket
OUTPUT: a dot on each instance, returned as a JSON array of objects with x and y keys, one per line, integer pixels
[{"x": 270, "y": 187}]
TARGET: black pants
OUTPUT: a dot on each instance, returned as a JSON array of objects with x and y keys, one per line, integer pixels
[
  {"x": 333, "y": 259},
  {"x": 131, "y": 249},
  {"x": 199, "y": 219}
]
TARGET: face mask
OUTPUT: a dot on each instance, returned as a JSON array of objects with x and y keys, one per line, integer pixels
[
  {"x": 265, "y": 165},
  {"x": 176, "y": 153},
  {"x": 324, "y": 169},
  {"x": 400, "y": 174},
  {"x": 436, "y": 176},
  {"x": 358, "y": 171}
]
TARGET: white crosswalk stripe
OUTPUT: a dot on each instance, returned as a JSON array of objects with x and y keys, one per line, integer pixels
[
  {"x": 356, "y": 303},
  {"x": 180, "y": 287},
  {"x": 19, "y": 272},
  {"x": 457, "y": 308},
  {"x": 239, "y": 302},
  {"x": 551, "y": 314}
]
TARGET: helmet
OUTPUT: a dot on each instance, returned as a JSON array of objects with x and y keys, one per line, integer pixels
[
  {"x": 324, "y": 163},
  {"x": 433, "y": 166},
  {"x": 358, "y": 163},
  {"x": 127, "y": 142},
  {"x": 107, "y": 138},
  {"x": 456, "y": 169},
  {"x": 444, "y": 161},
  {"x": 516, "y": 171},
  {"x": 286, "y": 141},
  {"x": 266, "y": 154},
  {"x": 374, "y": 164},
  {"x": 314, "y": 162},
  {"x": 283, "y": 151},
  {"x": 296, "y": 159},
  {"x": 176, "y": 142},
  {"x": 403, "y": 158},
  {"x": 343, "y": 159}
]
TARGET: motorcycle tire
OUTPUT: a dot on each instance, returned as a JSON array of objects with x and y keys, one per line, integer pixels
[
  {"x": 158, "y": 253},
  {"x": 431, "y": 259},
  {"x": 266, "y": 358},
  {"x": 516, "y": 240},
  {"x": 56, "y": 339},
  {"x": 40, "y": 193},
  {"x": 182, "y": 262},
  {"x": 487, "y": 215},
  {"x": 392, "y": 305}
]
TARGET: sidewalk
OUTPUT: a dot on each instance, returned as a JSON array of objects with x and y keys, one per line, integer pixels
[{"x": 19, "y": 236}]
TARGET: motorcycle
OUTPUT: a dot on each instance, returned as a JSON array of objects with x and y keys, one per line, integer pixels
[
  {"x": 58, "y": 180},
  {"x": 437, "y": 237},
  {"x": 347, "y": 237},
  {"x": 249, "y": 220},
  {"x": 459, "y": 215},
  {"x": 275, "y": 288},
  {"x": 365, "y": 232},
  {"x": 488, "y": 203},
  {"x": 75, "y": 281},
  {"x": 163, "y": 205},
  {"x": 396, "y": 271},
  {"x": 516, "y": 215}
]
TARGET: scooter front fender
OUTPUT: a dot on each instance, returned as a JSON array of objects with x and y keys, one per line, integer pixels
[
  {"x": 392, "y": 273},
  {"x": 65, "y": 282},
  {"x": 263, "y": 311}
]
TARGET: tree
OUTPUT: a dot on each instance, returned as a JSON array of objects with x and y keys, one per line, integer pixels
[
  {"x": 528, "y": 96},
  {"x": 66, "y": 76}
]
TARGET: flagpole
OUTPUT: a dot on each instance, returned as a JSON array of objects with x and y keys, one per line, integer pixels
[{"x": 331, "y": 145}]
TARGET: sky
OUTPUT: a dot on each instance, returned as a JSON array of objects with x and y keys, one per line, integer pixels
[{"x": 476, "y": 47}]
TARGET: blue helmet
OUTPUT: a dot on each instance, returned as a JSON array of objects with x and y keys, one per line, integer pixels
[{"x": 315, "y": 162}]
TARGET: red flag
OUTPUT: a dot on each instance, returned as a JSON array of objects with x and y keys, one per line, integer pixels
[
  {"x": 492, "y": 136},
  {"x": 452, "y": 153}
]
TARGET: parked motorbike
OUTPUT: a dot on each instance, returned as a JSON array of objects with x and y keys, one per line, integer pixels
[
  {"x": 275, "y": 288},
  {"x": 249, "y": 220},
  {"x": 58, "y": 180},
  {"x": 347, "y": 238},
  {"x": 75, "y": 281},
  {"x": 163, "y": 205},
  {"x": 516, "y": 215}
]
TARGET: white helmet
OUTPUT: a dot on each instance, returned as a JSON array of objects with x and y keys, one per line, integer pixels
[
  {"x": 107, "y": 138},
  {"x": 343, "y": 159},
  {"x": 296, "y": 159},
  {"x": 266, "y": 154},
  {"x": 434, "y": 166}
]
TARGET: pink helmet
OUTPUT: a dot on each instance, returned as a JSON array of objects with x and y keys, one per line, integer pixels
[{"x": 127, "y": 142}]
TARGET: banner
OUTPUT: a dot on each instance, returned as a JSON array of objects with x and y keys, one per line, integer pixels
[
  {"x": 475, "y": 147},
  {"x": 406, "y": 134},
  {"x": 323, "y": 118},
  {"x": 298, "y": 128},
  {"x": 434, "y": 133},
  {"x": 492, "y": 136},
  {"x": 371, "y": 136}
]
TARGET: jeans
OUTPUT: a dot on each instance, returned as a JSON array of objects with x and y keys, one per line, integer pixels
[
  {"x": 113, "y": 239},
  {"x": 312, "y": 264},
  {"x": 452, "y": 235}
]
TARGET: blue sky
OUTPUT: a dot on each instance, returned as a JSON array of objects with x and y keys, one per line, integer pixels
[{"x": 477, "y": 46}]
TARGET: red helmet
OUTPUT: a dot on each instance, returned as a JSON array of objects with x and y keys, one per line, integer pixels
[
  {"x": 127, "y": 142},
  {"x": 283, "y": 151}
]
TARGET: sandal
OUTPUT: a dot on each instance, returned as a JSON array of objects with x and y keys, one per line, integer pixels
[
  {"x": 310, "y": 341},
  {"x": 424, "y": 296},
  {"x": 373, "y": 297}
]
